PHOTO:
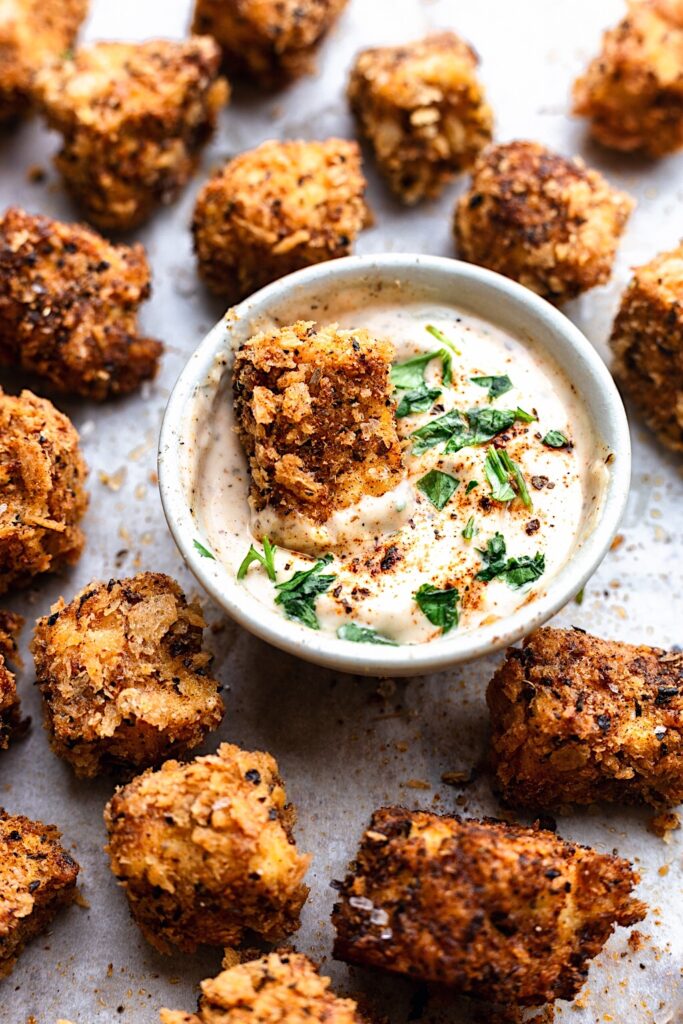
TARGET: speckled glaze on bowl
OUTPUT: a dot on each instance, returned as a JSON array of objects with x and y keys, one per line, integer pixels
[{"x": 441, "y": 280}]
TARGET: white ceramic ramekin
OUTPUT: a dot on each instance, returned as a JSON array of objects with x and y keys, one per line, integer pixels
[{"x": 480, "y": 291}]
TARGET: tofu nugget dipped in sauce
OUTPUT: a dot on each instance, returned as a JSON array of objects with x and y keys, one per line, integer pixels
[
  {"x": 134, "y": 118},
  {"x": 647, "y": 341},
  {"x": 32, "y": 33},
  {"x": 499, "y": 912},
  {"x": 37, "y": 878},
  {"x": 276, "y": 209},
  {"x": 124, "y": 679},
  {"x": 10, "y": 717},
  {"x": 280, "y": 988},
  {"x": 576, "y": 719},
  {"x": 269, "y": 41},
  {"x": 68, "y": 306},
  {"x": 549, "y": 222},
  {"x": 423, "y": 111},
  {"x": 632, "y": 92},
  {"x": 42, "y": 496},
  {"x": 205, "y": 851}
]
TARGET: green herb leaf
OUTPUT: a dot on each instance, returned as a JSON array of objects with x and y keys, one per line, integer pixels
[
  {"x": 515, "y": 472},
  {"x": 471, "y": 485},
  {"x": 420, "y": 399},
  {"x": 580, "y": 596},
  {"x": 411, "y": 374},
  {"x": 555, "y": 439},
  {"x": 498, "y": 476},
  {"x": 266, "y": 559},
  {"x": 204, "y": 552},
  {"x": 440, "y": 336},
  {"x": 463, "y": 430},
  {"x": 436, "y": 431},
  {"x": 439, "y": 606},
  {"x": 298, "y": 594},
  {"x": 363, "y": 635},
  {"x": 524, "y": 417},
  {"x": 516, "y": 572},
  {"x": 497, "y": 386},
  {"x": 438, "y": 487},
  {"x": 494, "y": 558},
  {"x": 470, "y": 529}
]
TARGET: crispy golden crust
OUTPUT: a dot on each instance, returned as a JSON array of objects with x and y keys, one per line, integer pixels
[
  {"x": 423, "y": 110},
  {"x": 316, "y": 418},
  {"x": 32, "y": 33},
  {"x": 275, "y": 209},
  {"x": 647, "y": 340},
  {"x": 10, "y": 716},
  {"x": 575, "y": 719},
  {"x": 279, "y": 988},
  {"x": 42, "y": 498},
  {"x": 546, "y": 221},
  {"x": 633, "y": 91},
  {"x": 500, "y": 912},
  {"x": 205, "y": 851},
  {"x": 269, "y": 41},
  {"x": 68, "y": 306},
  {"x": 37, "y": 878},
  {"x": 134, "y": 118},
  {"x": 123, "y": 675}
]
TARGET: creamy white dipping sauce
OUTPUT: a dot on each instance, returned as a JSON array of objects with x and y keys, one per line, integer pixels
[{"x": 566, "y": 485}]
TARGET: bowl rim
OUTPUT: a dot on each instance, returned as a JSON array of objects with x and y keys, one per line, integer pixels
[{"x": 378, "y": 660}]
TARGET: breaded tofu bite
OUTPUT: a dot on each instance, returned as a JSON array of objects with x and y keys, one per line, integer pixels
[
  {"x": 550, "y": 223},
  {"x": 270, "y": 42},
  {"x": 500, "y": 912},
  {"x": 576, "y": 719},
  {"x": 423, "y": 111},
  {"x": 42, "y": 495},
  {"x": 279, "y": 988},
  {"x": 316, "y": 418},
  {"x": 68, "y": 306},
  {"x": 10, "y": 716},
  {"x": 134, "y": 118},
  {"x": 37, "y": 878},
  {"x": 647, "y": 341},
  {"x": 123, "y": 676},
  {"x": 32, "y": 33},
  {"x": 278, "y": 208},
  {"x": 205, "y": 851},
  {"x": 632, "y": 93}
]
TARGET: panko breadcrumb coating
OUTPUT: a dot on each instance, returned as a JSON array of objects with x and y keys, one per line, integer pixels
[
  {"x": 269, "y": 41},
  {"x": 32, "y": 33},
  {"x": 647, "y": 340},
  {"x": 278, "y": 208},
  {"x": 501, "y": 912},
  {"x": 546, "y": 221},
  {"x": 42, "y": 496},
  {"x": 134, "y": 118},
  {"x": 205, "y": 851},
  {"x": 10, "y": 717},
  {"x": 279, "y": 988},
  {"x": 316, "y": 418},
  {"x": 68, "y": 306},
  {"x": 423, "y": 110},
  {"x": 633, "y": 91},
  {"x": 37, "y": 878},
  {"x": 124, "y": 679},
  {"x": 576, "y": 719}
]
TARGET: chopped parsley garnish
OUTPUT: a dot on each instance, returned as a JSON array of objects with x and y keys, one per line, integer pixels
[
  {"x": 463, "y": 430},
  {"x": 363, "y": 635},
  {"x": 436, "y": 431},
  {"x": 204, "y": 552},
  {"x": 524, "y": 417},
  {"x": 419, "y": 399},
  {"x": 470, "y": 529},
  {"x": 497, "y": 386},
  {"x": 298, "y": 594},
  {"x": 505, "y": 477},
  {"x": 266, "y": 560},
  {"x": 441, "y": 337},
  {"x": 516, "y": 572},
  {"x": 439, "y": 606},
  {"x": 471, "y": 485},
  {"x": 555, "y": 439},
  {"x": 411, "y": 374},
  {"x": 579, "y": 597},
  {"x": 438, "y": 487}
]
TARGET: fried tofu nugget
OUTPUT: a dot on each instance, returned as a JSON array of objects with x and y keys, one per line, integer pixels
[
  {"x": 546, "y": 221},
  {"x": 134, "y": 118},
  {"x": 10, "y": 716},
  {"x": 276, "y": 209},
  {"x": 280, "y": 988},
  {"x": 271, "y": 42},
  {"x": 205, "y": 851},
  {"x": 42, "y": 497},
  {"x": 316, "y": 418},
  {"x": 632, "y": 92},
  {"x": 576, "y": 719},
  {"x": 68, "y": 306},
  {"x": 123, "y": 675},
  {"x": 423, "y": 110},
  {"x": 500, "y": 912},
  {"x": 37, "y": 878},
  {"x": 647, "y": 341},
  {"x": 32, "y": 33}
]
